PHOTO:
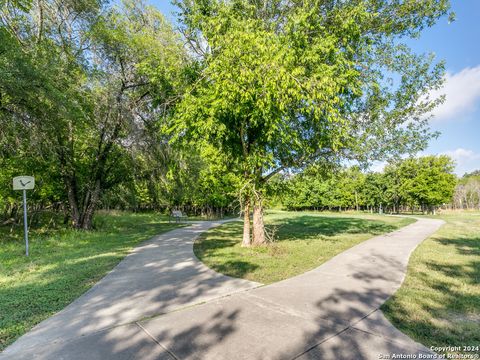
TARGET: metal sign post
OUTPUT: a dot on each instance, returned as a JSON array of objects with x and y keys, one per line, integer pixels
[
  {"x": 24, "y": 183},
  {"x": 25, "y": 223}
]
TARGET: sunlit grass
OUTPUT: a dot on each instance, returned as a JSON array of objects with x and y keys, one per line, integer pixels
[
  {"x": 303, "y": 242},
  {"x": 439, "y": 302},
  {"x": 62, "y": 265}
]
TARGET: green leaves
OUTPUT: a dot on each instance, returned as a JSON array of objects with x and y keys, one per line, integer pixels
[
  {"x": 257, "y": 86},
  {"x": 260, "y": 99},
  {"x": 81, "y": 86},
  {"x": 283, "y": 85},
  {"x": 425, "y": 182}
]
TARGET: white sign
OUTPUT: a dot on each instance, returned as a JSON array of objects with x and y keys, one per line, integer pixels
[{"x": 23, "y": 183}]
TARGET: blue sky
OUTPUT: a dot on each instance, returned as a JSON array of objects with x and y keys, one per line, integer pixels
[{"x": 458, "y": 119}]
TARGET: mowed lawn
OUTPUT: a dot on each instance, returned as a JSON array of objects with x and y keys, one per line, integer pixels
[
  {"x": 62, "y": 265},
  {"x": 303, "y": 242},
  {"x": 439, "y": 302}
]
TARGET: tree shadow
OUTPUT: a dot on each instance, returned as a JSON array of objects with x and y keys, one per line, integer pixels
[
  {"x": 349, "y": 324},
  {"x": 367, "y": 334},
  {"x": 291, "y": 229},
  {"x": 292, "y": 319},
  {"x": 133, "y": 341},
  {"x": 307, "y": 226},
  {"x": 159, "y": 276},
  {"x": 328, "y": 313},
  {"x": 464, "y": 246},
  {"x": 236, "y": 269},
  {"x": 451, "y": 314}
]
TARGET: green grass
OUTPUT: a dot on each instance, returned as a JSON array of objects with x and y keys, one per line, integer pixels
[
  {"x": 304, "y": 241},
  {"x": 439, "y": 302},
  {"x": 62, "y": 265}
]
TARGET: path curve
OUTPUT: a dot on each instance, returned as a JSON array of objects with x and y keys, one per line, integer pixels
[
  {"x": 159, "y": 276},
  {"x": 331, "y": 312}
]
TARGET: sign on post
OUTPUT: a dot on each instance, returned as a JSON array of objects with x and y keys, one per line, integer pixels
[{"x": 24, "y": 183}]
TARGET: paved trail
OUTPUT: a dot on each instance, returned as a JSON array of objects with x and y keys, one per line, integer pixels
[{"x": 162, "y": 303}]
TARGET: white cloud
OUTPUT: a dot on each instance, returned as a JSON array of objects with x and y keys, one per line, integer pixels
[
  {"x": 462, "y": 154},
  {"x": 462, "y": 92},
  {"x": 378, "y": 166},
  {"x": 466, "y": 160}
]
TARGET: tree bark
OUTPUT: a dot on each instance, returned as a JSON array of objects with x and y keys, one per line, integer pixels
[
  {"x": 73, "y": 201},
  {"x": 247, "y": 242},
  {"x": 258, "y": 224},
  {"x": 90, "y": 207}
]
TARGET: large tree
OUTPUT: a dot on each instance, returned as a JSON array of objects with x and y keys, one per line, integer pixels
[
  {"x": 281, "y": 84},
  {"x": 83, "y": 83}
]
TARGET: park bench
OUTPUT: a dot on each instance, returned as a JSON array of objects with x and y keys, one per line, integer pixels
[{"x": 178, "y": 216}]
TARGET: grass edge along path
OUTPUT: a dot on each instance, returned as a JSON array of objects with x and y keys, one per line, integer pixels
[
  {"x": 438, "y": 303},
  {"x": 305, "y": 240},
  {"x": 63, "y": 264}
]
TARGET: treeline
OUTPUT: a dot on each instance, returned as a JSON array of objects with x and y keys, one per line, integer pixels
[
  {"x": 199, "y": 184},
  {"x": 414, "y": 184}
]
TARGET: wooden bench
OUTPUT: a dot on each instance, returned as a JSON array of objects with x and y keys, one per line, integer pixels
[{"x": 178, "y": 216}]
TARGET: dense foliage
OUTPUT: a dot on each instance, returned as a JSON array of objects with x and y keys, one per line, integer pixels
[{"x": 84, "y": 92}]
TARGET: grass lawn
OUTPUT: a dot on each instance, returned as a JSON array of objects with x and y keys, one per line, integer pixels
[
  {"x": 62, "y": 265},
  {"x": 439, "y": 302},
  {"x": 304, "y": 241}
]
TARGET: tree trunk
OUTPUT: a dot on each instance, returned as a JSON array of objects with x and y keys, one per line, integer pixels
[
  {"x": 246, "y": 225},
  {"x": 258, "y": 224},
  {"x": 90, "y": 207},
  {"x": 73, "y": 201}
]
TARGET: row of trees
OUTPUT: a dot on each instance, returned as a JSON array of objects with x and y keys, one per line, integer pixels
[
  {"x": 413, "y": 184},
  {"x": 110, "y": 105}
]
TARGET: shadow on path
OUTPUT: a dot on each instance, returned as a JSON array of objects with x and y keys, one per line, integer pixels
[{"x": 330, "y": 312}]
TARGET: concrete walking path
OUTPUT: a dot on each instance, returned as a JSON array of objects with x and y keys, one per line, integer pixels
[
  {"x": 330, "y": 312},
  {"x": 159, "y": 276}
]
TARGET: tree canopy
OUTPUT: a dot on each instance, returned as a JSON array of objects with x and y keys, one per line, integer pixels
[
  {"x": 283, "y": 84},
  {"x": 84, "y": 88}
]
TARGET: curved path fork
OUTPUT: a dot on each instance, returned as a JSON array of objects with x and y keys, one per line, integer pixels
[{"x": 330, "y": 312}]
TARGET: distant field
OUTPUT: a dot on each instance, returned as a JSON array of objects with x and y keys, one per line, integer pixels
[
  {"x": 439, "y": 302},
  {"x": 63, "y": 264},
  {"x": 304, "y": 241}
]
